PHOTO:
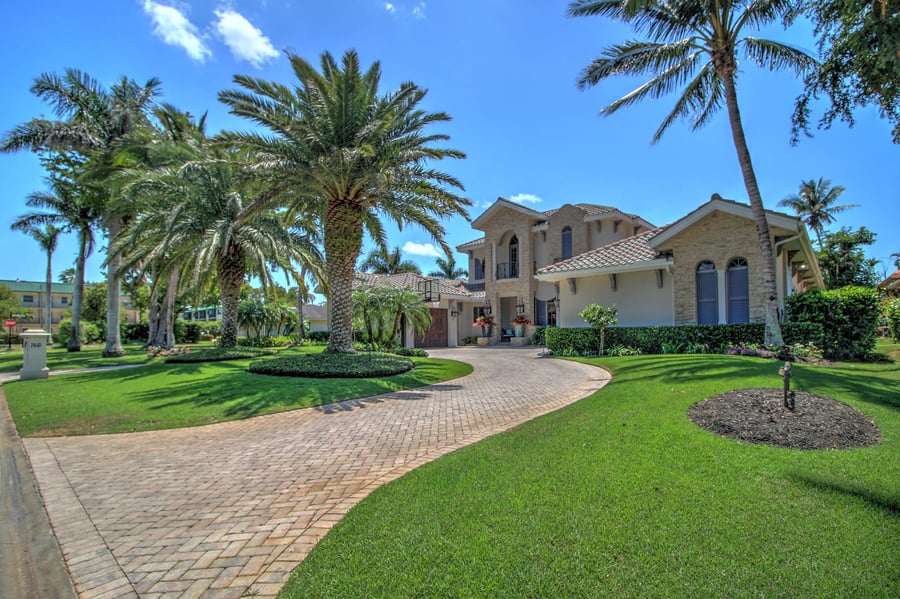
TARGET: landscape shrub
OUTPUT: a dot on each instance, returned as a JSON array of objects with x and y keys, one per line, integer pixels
[
  {"x": 318, "y": 336},
  {"x": 682, "y": 339},
  {"x": 212, "y": 327},
  {"x": 90, "y": 332},
  {"x": 274, "y": 341},
  {"x": 537, "y": 338},
  {"x": 187, "y": 332},
  {"x": 848, "y": 317},
  {"x": 334, "y": 365},
  {"x": 413, "y": 352},
  {"x": 135, "y": 331},
  {"x": 219, "y": 354},
  {"x": 892, "y": 314}
]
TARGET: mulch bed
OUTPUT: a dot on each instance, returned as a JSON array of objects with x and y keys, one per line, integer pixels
[{"x": 759, "y": 416}]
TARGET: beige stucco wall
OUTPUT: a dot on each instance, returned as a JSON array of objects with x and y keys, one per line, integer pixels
[
  {"x": 640, "y": 302},
  {"x": 719, "y": 237}
]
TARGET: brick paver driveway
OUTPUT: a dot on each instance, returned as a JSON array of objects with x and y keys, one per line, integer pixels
[{"x": 232, "y": 508}]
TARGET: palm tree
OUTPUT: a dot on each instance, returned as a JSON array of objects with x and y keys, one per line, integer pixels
[
  {"x": 66, "y": 275},
  {"x": 694, "y": 45},
  {"x": 815, "y": 204},
  {"x": 447, "y": 269},
  {"x": 896, "y": 257},
  {"x": 207, "y": 218},
  {"x": 350, "y": 157},
  {"x": 65, "y": 207},
  {"x": 97, "y": 124},
  {"x": 47, "y": 237},
  {"x": 383, "y": 262}
]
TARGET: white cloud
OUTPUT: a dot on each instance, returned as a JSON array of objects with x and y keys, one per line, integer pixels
[
  {"x": 418, "y": 10},
  {"x": 390, "y": 7},
  {"x": 173, "y": 28},
  {"x": 422, "y": 249},
  {"x": 245, "y": 41},
  {"x": 525, "y": 198}
]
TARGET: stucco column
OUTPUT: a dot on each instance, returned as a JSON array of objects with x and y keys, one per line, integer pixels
[{"x": 35, "y": 362}]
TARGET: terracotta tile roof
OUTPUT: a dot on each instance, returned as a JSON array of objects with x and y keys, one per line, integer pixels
[
  {"x": 592, "y": 210},
  {"x": 408, "y": 280},
  {"x": 620, "y": 253},
  {"x": 471, "y": 244}
]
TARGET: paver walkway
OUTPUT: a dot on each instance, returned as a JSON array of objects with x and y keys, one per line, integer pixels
[{"x": 233, "y": 508}]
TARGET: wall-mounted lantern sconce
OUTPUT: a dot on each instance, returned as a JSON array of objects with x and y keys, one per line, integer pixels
[
  {"x": 487, "y": 305},
  {"x": 520, "y": 307},
  {"x": 454, "y": 313}
]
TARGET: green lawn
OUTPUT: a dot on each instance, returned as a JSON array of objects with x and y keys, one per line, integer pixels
[
  {"x": 60, "y": 359},
  {"x": 160, "y": 395},
  {"x": 620, "y": 495}
]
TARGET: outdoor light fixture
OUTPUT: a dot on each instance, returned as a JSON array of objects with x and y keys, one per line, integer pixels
[
  {"x": 520, "y": 307},
  {"x": 487, "y": 305},
  {"x": 454, "y": 312}
]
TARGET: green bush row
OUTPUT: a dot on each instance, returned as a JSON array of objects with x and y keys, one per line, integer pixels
[
  {"x": 892, "y": 314},
  {"x": 334, "y": 365},
  {"x": 680, "y": 339},
  {"x": 274, "y": 341},
  {"x": 219, "y": 354},
  {"x": 848, "y": 317}
]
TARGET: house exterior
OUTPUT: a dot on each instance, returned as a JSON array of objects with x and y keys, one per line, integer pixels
[
  {"x": 34, "y": 298},
  {"x": 702, "y": 269},
  {"x": 891, "y": 285}
]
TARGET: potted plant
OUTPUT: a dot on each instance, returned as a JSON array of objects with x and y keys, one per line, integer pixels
[
  {"x": 519, "y": 323},
  {"x": 485, "y": 321}
]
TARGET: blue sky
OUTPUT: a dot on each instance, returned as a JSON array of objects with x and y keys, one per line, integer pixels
[{"x": 504, "y": 70}]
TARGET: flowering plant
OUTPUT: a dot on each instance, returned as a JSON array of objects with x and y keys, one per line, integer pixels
[
  {"x": 484, "y": 320},
  {"x": 520, "y": 319}
]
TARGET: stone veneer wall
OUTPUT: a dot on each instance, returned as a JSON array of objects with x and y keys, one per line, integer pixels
[{"x": 719, "y": 238}]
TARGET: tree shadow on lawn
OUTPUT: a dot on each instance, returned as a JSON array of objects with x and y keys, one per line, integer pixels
[
  {"x": 243, "y": 394},
  {"x": 733, "y": 372},
  {"x": 882, "y": 501},
  {"x": 403, "y": 395}
]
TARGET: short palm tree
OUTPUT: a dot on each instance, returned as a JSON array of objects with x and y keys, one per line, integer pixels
[
  {"x": 815, "y": 204},
  {"x": 383, "y": 262},
  {"x": 447, "y": 269},
  {"x": 97, "y": 124},
  {"x": 47, "y": 237},
  {"x": 205, "y": 219},
  {"x": 65, "y": 206},
  {"x": 350, "y": 156},
  {"x": 693, "y": 47}
]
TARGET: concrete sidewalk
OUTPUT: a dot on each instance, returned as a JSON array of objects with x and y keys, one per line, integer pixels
[{"x": 233, "y": 508}]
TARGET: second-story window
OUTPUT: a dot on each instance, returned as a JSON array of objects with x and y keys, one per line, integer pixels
[
  {"x": 566, "y": 242},
  {"x": 514, "y": 252}
]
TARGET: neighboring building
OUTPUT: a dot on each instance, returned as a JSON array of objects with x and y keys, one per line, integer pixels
[
  {"x": 315, "y": 315},
  {"x": 33, "y": 296},
  {"x": 703, "y": 268},
  {"x": 891, "y": 285}
]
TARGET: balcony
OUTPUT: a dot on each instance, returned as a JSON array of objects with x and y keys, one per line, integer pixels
[{"x": 507, "y": 270}]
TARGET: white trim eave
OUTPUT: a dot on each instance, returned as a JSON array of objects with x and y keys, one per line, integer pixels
[
  {"x": 776, "y": 219},
  {"x": 544, "y": 226},
  {"x": 504, "y": 203},
  {"x": 646, "y": 265},
  {"x": 470, "y": 245}
]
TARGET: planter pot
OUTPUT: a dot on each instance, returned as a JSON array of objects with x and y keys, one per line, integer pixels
[
  {"x": 486, "y": 331},
  {"x": 520, "y": 330}
]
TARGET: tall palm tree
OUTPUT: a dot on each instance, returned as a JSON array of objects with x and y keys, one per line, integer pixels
[
  {"x": 447, "y": 269},
  {"x": 350, "y": 156},
  {"x": 97, "y": 124},
  {"x": 47, "y": 237},
  {"x": 815, "y": 204},
  {"x": 207, "y": 218},
  {"x": 693, "y": 46},
  {"x": 383, "y": 262},
  {"x": 65, "y": 207}
]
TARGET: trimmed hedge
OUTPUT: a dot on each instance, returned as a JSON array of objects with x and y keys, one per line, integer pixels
[
  {"x": 219, "y": 354},
  {"x": 276, "y": 341},
  {"x": 848, "y": 316},
  {"x": 90, "y": 332},
  {"x": 334, "y": 365},
  {"x": 892, "y": 313},
  {"x": 676, "y": 339}
]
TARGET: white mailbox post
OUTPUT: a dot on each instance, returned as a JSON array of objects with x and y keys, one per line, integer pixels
[{"x": 35, "y": 364}]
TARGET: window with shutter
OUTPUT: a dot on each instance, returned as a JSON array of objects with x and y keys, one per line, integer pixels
[{"x": 707, "y": 294}]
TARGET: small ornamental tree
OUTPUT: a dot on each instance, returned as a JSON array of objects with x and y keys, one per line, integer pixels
[{"x": 600, "y": 317}]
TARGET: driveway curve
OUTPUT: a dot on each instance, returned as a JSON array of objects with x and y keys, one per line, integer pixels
[{"x": 231, "y": 509}]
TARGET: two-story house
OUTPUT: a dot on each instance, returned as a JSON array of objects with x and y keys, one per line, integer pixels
[{"x": 704, "y": 268}]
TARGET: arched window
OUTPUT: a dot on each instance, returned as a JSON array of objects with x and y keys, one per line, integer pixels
[
  {"x": 707, "y": 293},
  {"x": 566, "y": 242},
  {"x": 737, "y": 285}
]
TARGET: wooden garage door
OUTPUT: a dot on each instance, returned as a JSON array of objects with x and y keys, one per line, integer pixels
[{"x": 436, "y": 335}]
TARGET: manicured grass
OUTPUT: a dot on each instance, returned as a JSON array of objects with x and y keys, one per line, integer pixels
[
  {"x": 620, "y": 495},
  {"x": 161, "y": 396},
  {"x": 89, "y": 357}
]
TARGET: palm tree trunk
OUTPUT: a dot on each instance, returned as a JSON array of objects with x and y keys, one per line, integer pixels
[
  {"x": 770, "y": 293},
  {"x": 153, "y": 312},
  {"x": 231, "y": 275},
  {"x": 49, "y": 307},
  {"x": 113, "y": 347},
  {"x": 74, "y": 343},
  {"x": 343, "y": 241},
  {"x": 171, "y": 293}
]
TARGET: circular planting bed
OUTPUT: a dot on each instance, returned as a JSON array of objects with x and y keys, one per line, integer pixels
[
  {"x": 363, "y": 365},
  {"x": 759, "y": 416},
  {"x": 219, "y": 354}
]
